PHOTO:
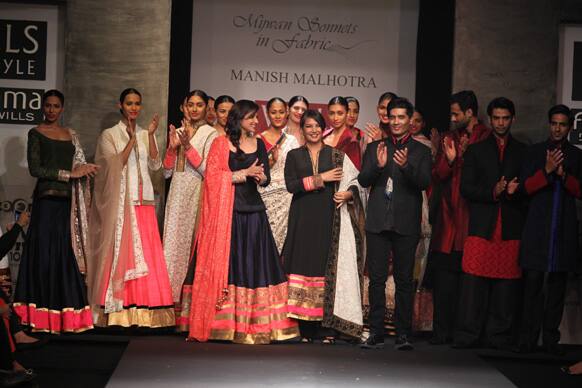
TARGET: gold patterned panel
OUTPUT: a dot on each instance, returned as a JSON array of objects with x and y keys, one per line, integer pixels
[{"x": 134, "y": 316}]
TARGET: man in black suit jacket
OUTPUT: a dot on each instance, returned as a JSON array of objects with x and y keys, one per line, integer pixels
[
  {"x": 397, "y": 169},
  {"x": 490, "y": 185}
]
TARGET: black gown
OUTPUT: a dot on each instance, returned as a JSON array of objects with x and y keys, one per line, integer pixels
[{"x": 50, "y": 293}]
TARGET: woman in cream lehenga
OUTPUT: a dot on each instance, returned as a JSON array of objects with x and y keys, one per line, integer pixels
[
  {"x": 185, "y": 163},
  {"x": 127, "y": 275}
]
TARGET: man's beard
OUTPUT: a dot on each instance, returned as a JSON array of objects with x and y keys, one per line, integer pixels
[{"x": 459, "y": 125}]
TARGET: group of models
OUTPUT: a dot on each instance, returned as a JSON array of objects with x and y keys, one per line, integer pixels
[{"x": 273, "y": 236}]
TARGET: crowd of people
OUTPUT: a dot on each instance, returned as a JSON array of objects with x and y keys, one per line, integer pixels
[{"x": 294, "y": 232}]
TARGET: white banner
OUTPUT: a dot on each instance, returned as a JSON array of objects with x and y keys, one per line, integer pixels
[
  {"x": 31, "y": 61},
  {"x": 260, "y": 49}
]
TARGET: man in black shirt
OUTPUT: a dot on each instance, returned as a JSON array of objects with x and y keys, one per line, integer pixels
[{"x": 397, "y": 169}]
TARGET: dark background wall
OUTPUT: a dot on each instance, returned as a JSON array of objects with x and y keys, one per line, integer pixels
[{"x": 510, "y": 48}]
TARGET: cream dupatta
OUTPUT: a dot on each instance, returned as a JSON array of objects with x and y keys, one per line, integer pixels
[
  {"x": 115, "y": 254},
  {"x": 344, "y": 272}
]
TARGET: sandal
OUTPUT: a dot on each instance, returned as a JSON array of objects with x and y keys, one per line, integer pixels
[{"x": 328, "y": 341}]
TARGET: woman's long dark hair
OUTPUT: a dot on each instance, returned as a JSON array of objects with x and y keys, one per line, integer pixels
[{"x": 238, "y": 112}]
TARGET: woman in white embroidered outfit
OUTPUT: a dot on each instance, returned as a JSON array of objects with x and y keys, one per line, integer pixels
[
  {"x": 185, "y": 163},
  {"x": 128, "y": 279},
  {"x": 275, "y": 196}
]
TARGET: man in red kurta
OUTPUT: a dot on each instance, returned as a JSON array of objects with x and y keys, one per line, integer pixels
[
  {"x": 451, "y": 224},
  {"x": 489, "y": 183}
]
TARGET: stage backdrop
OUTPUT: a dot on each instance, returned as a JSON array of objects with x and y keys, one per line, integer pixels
[
  {"x": 570, "y": 93},
  {"x": 31, "y": 61},
  {"x": 260, "y": 49}
]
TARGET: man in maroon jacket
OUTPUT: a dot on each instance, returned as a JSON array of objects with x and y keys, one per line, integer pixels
[{"x": 451, "y": 224}]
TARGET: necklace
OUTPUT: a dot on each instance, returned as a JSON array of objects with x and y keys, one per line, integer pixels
[{"x": 314, "y": 161}]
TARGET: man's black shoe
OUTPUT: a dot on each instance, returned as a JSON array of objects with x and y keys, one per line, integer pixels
[
  {"x": 373, "y": 342},
  {"x": 402, "y": 343}
]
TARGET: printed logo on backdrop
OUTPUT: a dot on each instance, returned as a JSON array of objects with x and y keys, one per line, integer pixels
[
  {"x": 23, "y": 46},
  {"x": 20, "y": 106},
  {"x": 303, "y": 36},
  {"x": 576, "y": 133}
]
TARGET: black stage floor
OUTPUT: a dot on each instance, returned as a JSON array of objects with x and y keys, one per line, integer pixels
[
  {"x": 126, "y": 359},
  {"x": 172, "y": 362}
]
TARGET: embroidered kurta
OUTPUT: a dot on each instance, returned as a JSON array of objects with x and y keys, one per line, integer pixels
[
  {"x": 187, "y": 172},
  {"x": 275, "y": 196}
]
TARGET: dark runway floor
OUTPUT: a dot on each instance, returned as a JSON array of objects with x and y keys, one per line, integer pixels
[
  {"x": 125, "y": 361},
  {"x": 172, "y": 362}
]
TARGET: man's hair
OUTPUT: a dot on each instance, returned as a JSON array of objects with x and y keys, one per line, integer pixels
[
  {"x": 403, "y": 103},
  {"x": 466, "y": 100},
  {"x": 501, "y": 103},
  {"x": 561, "y": 109}
]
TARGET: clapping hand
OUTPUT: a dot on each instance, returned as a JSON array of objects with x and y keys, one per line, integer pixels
[
  {"x": 184, "y": 137},
  {"x": 500, "y": 186},
  {"x": 512, "y": 186},
  {"x": 174, "y": 140},
  {"x": 401, "y": 157},
  {"x": 382, "y": 155},
  {"x": 450, "y": 149},
  {"x": 373, "y": 132},
  {"x": 554, "y": 159},
  {"x": 130, "y": 127},
  {"x": 154, "y": 125}
]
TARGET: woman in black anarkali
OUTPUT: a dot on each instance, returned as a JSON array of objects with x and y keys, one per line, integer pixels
[{"x": 325, "y": 199}]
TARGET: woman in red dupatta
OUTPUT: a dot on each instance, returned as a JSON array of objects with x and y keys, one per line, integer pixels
[{"x": 239, "y": 292}]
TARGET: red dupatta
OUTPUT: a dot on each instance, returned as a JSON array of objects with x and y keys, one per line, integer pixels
[{"x": 212, "y": 241}]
